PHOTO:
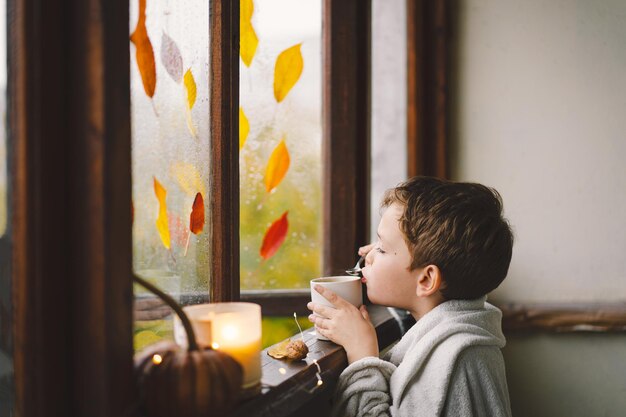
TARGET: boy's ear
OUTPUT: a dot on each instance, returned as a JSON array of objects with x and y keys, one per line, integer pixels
[{"x": 429, "y": 281}]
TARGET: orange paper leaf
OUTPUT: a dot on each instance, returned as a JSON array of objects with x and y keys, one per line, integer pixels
[
  {"x": 171, "y": 58},
  {"x": 287, "y": 71},
  {"x": 190, "y": 85},
  {"x": 196, "y": 219},
  {"x": 144, "y": 52},
  {"x": 161, "y": 223},
  {"x": 274, "y": 237},
  {"x": 244, "y": 127},
  {"x": 248, "y": 41},
  {"x": 277, "y": 166}
]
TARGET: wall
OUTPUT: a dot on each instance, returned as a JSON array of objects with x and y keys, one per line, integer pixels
[{"x": 538, "y": 103}]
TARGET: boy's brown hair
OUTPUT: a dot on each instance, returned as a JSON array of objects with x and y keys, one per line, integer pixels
[{"x": 458, "y": 227}]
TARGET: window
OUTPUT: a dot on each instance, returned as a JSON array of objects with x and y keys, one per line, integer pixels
[
  {"x": 71, "y": 122},
  {"x": 275, "y": 130}
]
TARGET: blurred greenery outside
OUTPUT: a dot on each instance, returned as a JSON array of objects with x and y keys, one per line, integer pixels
[
  {"x": 274, "y": 330},
  {"x": 299, "y": 258}
]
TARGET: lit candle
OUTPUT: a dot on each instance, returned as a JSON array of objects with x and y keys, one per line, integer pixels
[{"x": 233, "y": 328}]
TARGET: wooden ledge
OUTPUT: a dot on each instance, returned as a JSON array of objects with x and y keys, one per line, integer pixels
[
  {"x": 286, "y": 386},
  {"x": 563, "y": 317}
]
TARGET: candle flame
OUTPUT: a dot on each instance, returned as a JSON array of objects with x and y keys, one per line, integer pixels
[
  {"x": 230, "y": 332},
  {"x": 215, "y": 345},
  {"x": 157, "y": 359}
]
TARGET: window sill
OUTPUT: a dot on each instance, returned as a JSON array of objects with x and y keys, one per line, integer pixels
[{"x": 287, "y": 386}]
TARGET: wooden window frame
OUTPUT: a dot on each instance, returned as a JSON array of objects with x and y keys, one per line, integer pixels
[{"x": 69, "y": 129}]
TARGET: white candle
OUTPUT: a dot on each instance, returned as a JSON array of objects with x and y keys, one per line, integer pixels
[{"x": 233, "y": 328}]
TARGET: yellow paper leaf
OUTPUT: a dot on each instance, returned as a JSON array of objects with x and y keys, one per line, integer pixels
[
  {"x": 161, "y": 223},
  {"x": 277, "y": 166},
  {"x": 190, "y": 85},
  {"x": 248, "y": 41},
  {"x": 188, "y": 177},
  {"x": 246, "y": 8},
  {"x": 287, "y": 71},
  {"x": 244, "y": 127}
]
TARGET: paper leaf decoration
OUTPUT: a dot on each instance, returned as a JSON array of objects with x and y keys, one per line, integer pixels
[
  {"x": 144, "y": 52},
  {"x": 196, "y": 219},
  {"x": 248, "y": 41},
  {"x": 287, "y": 71},
  {"x": 190, "y": 86},
  {"x": 188, "y": 177},
  {"x": 277, "y": 166},
  {"x": 171, "y": 58},
  {"x": 244, "y": 127},
  {"x": 274, "y": 237},
  {"x": 178, "y": 229},
  {"x": 161, "y": 223}
]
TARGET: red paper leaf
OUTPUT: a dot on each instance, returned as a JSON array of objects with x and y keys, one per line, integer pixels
[
  {"x": 274, "y": 237},
  {"x": 196, "y": 219},
  {"x": 171, "y": 58},
  {"x": 144, "y": 52}
]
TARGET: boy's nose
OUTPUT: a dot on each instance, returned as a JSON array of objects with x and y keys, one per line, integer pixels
[{"x": 369, "y": 258}]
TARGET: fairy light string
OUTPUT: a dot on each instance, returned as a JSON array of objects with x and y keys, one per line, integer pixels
[
  {"x": 295, "y": 317},
  {"x": 318, "y": 374}
]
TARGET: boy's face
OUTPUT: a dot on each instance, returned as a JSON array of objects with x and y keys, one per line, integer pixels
[{"x": 386, "y": 273}]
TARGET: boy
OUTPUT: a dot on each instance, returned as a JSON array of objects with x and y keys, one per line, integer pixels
[{"x": 442, "y": 246}]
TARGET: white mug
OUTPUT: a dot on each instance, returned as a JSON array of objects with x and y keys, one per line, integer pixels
[{"x": 347, "y": 287}]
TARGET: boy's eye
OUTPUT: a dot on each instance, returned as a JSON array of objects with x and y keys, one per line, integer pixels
[{"x": 380, "y": 250}]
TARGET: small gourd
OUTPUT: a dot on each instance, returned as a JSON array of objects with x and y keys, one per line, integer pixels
[{"x": 186, "y": 382}]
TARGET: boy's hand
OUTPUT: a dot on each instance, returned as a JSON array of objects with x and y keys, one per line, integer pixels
[{"x": 345, "y": 325}]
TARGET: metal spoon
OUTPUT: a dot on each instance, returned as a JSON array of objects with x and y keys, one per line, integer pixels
[{"x": 356, "y": 271}]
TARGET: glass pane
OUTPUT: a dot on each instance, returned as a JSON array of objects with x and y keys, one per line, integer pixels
[
  {"x": 389, "y": 149},
  {"x": 280, "y": 140},
  {"x": 170, "y": 152},
  {"x": 7, "y": 387}
]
